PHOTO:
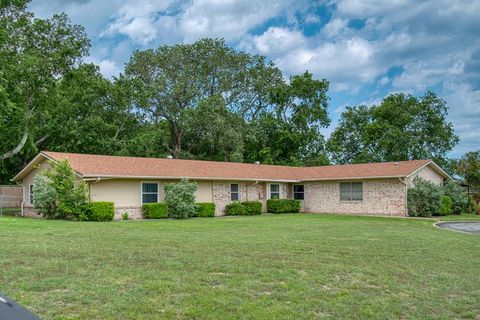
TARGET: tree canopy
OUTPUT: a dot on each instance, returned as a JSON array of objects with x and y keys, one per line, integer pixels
[
  {"x": 401, "y": 127},
  {"x": 203, "y": 100}
]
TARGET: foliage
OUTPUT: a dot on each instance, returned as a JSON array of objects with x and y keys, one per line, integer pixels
[
  {"x": 458, "y": 196},
  {"x": 180, "y": 199},
  {"x": 125, "y": 216},
  {"x": 235, "y": 208},
  {"x": 59, "y": 194},
  {"x": 471, "y": 206},
  {"x": 99, "y": 211},
  {"x": 446, "y": 207},
  {"x": 155, "y": 210},
  {"x": 45, "y": 199},
  {"x": 283, "y": 206},
  {"x": 424, "y": 199},
  {"x": 252, "y": 207},
  {"x": 402, "y": 127},
  {"x": 70, "y": 191},
  {"x": 205, "y": 209},
  {"x": 469, "y": 168}
]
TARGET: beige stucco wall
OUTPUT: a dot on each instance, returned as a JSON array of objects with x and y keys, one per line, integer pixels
[
  {"x": 127, "y": 192},
  {"x": 427, "y": 173},
  {"x": 380, "y": 197}
]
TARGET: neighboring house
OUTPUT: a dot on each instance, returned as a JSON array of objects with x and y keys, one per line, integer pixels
[{"x": 371, "y": 189}]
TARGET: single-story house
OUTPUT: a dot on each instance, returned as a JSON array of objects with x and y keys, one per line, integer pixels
[{"x": 129, "y": 182}]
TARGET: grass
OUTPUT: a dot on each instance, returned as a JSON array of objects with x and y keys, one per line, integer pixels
[
  {"x": 463, "y": 217},
  {"x": 299, "y": 266}
]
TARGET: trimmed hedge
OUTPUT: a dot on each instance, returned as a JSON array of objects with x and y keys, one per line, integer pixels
[
  {"x": 252, "y": 207},
  {"x": 100, "y": 211},
  {"x": 283, "y": 206},
  {"x": 235, "y": 209},
  {"x": 205, "y": 209},
  {"x": 155, "y": 210}
]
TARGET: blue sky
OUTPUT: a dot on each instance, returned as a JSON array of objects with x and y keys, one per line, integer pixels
[{"x": 365, "y": 48}]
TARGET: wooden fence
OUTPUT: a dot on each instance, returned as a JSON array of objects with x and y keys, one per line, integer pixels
[{"x": 11, "y": 196}]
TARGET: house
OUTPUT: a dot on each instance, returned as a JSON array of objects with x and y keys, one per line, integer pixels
[{"x": 128, "y": 182}]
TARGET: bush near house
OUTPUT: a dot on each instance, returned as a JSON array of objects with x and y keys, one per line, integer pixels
[
  {"x": 155, "y": 210},
  {"x": 458, "y": 196},
  {"x": 252, "y": 207},
  {"x": 446, "y": 207},
  {"x": 235, "y": 209},
  {"x": 99, "y": 211},
  {"x": 180, "y": 199},
  {"x": 205, "y": 209},
  {"x": 425, "y": 199},
  {"x": 283, "y": 206}
]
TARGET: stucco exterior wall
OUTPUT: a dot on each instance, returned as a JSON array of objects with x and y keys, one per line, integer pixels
[
  {"x": 427, "y": 173},
  {"x": 380, "y": 197}
]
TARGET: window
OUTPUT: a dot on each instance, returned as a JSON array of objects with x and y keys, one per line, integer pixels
[
  {"x": 149, "y": 192},
  {"x": 298, "y": 192},
  {"x": 274, "y": 191},
  {"x": 31, "y": 193},
  {"x": 234, "y": 196},
  {"x": 351, "y": 191}
]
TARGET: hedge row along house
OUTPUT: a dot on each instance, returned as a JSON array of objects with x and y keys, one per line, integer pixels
[{"x": 128, "y": 182}]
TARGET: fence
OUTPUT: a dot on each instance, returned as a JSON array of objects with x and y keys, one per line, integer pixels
[{"x": 11, "y": 198}]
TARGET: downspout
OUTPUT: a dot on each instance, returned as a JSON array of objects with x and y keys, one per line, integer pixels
[{"x": 406, "y": 192}]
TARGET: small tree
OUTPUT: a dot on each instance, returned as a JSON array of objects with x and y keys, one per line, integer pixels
[
  {"x": 424, "y": 199},
  {"x": 457, "y": 194},
  {"x": 180, "y": 198},
  {"x": 59, "y": 194},
  {"x": 44, "y": 200}
]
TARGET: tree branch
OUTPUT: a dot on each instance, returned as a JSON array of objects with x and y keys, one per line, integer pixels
[{"x": 18, "y": 148}]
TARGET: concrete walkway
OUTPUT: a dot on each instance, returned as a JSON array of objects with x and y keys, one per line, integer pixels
[{"x": 465, "y": 226}]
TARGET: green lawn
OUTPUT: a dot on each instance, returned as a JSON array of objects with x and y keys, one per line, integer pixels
[{"x": 261, "y": 267}]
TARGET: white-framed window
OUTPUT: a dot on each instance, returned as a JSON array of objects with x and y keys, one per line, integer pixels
[
  {"x": 234, "y": 192},
  {"x": 150, "y": 192},
  {"x": 351, "y": 191},
  {"x": 30, "y": 193},
  {"x": 274, "y": 191},
  {"x": 298, "y": 192}
]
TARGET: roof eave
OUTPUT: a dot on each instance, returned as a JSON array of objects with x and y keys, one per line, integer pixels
[
  {"x": 354, "y": 178},
  {"x": 91, "y": 175}
]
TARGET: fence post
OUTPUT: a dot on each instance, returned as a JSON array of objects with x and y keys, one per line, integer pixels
[{"x": 1, "y": 205}]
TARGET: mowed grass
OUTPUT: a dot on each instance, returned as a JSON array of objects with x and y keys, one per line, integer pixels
[{"x": 298, "y": 266}]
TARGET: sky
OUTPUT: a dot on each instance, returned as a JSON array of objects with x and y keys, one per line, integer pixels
[{"x": 365, "y": 48}]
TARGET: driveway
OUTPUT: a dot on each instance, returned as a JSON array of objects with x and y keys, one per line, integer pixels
[{"x": 470, "y": 226}]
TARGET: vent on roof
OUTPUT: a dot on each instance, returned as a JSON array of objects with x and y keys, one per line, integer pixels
[
  {"x": 169, "y": 157},
  {"x": 396, "y": 163},
  {"x": 257, "y": 162}
]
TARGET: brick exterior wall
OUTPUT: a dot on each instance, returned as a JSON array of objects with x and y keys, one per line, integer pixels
[
  {"x": 134, "y": 212},
  {"x": 29, "y": 211},
  {"x": 381, "y": 197},
  {"x": 248, "y": 191}
]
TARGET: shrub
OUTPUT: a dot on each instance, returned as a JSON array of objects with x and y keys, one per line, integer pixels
[
  {"x": 458, "y": 196},
  {"x": 44, "y": 199},
  {"x": 252, "y": 207},
  {"x": 283, "y": 206},
  {"x": 446, "y": 207},
  {"x": 180, "y": 199},
  {"x": 471, "y": 206},
  {"x": 155, "y": 210},
  {"x": 125, "y": 216},
  {"x": 205, "y": 209},
  {"x": 60, "y": 194},
  {"x": 235, "y": 209},
  {"x": 99, "y": 211},
  {"x": 424, "y": 199}
]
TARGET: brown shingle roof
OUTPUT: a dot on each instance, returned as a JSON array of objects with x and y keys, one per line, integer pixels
[{"x": 100, "y": 166}]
